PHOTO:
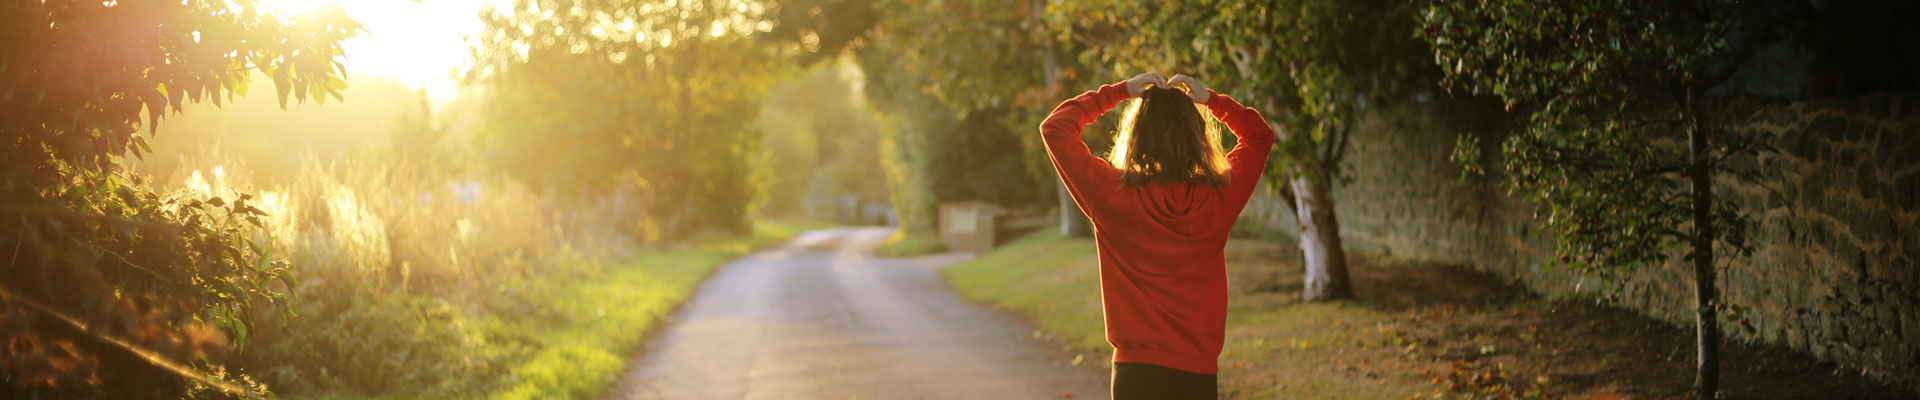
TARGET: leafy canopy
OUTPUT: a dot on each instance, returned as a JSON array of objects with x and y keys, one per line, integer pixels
[
  {"x": 170, "y": 277},
  {"x": 1611, "y": 87},
  {"x": 649, "y": 98},
  {"x": 1311, "y": 65}
]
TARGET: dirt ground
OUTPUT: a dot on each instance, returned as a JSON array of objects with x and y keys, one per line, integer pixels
[{"x": 1465, "y": 334}]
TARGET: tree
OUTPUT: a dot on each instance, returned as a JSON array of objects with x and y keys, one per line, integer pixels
[
  {"x": 1309, "y": 65},
  {"x": 955, "y": 156},
  {"x": 820, "y": 141},
  {"x": 980, "y": 57},
  {"x": 112, "y": 287},
  {"x": 959, "y": 109},
  {"x": 810, "y": 31},
  {"x": 1616, "y": 147},
  {"x": 654, "y": 97},
  {"x": 424, "y": 142},
  {"x": 942, "y": 88}
]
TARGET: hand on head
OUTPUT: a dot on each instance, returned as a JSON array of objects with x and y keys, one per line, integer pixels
[
  {"x": 1138, "y": 84},
  {"x": 1195, "y": 90}
]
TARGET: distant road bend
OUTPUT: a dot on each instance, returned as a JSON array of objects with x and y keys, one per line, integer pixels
[{"x": 823, "y": 318}]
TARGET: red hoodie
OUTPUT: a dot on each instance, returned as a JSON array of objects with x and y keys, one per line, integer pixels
[{"x": 1163, "y": 277}]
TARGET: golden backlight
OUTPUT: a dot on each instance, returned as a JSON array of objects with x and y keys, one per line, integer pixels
[{"x": 419, "y": 43}]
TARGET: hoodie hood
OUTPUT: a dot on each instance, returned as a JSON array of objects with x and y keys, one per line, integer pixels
[{"x": 1186, "y": 210}]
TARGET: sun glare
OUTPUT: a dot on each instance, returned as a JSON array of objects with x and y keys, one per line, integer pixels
[
  {"x": 417, "y": 43},
  {"x": 287, "y": 8}
]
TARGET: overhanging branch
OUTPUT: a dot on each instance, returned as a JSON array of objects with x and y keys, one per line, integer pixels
[{"x": 150, "y": 356}]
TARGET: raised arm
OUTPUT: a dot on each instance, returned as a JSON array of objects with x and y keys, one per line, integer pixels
[
  {"x": 1083, "y": 173},
  {"x": 1255, "y": 139}
]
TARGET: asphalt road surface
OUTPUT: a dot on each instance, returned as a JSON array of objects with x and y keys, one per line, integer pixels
[{"x": 822, "y": 318}]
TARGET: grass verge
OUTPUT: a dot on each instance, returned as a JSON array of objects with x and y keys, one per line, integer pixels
[
  {"x": 584, "y": 329},
  {"x": 903, "y": 245},
  {"x": 1052, "y": 281},
  {"x": 1415, "y": 330}
]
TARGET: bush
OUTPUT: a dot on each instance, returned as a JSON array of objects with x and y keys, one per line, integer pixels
[{"x": 403, "y": 279}]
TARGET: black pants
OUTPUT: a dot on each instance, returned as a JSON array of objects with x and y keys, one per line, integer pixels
[{"x": 1153, "y": 382}]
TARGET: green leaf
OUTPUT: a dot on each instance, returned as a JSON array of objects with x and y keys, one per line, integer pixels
[
  {"x": 175, "y": 96},
  {"x": 282, "y": 84}
]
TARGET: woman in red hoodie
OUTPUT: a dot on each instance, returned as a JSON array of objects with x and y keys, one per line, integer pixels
[{"x": 1161, "y": 206}]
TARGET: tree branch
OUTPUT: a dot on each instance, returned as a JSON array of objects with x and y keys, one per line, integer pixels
[
  {"x": 152, "y": 357},
  {"x": 1338, "y": 151}
]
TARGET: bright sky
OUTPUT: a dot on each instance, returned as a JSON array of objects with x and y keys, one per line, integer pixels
[{"x": 418, "y": 43}]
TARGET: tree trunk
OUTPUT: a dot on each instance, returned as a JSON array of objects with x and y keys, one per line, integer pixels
[
  {"x": 1706, "y": 322},
  {"x": 1073, "y": 222},
  {"x": 1326, "y": 259}
]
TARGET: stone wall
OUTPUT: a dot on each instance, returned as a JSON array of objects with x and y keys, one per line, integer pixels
[{"x": 1834, "y": 274}]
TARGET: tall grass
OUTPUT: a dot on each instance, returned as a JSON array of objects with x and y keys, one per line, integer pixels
[{"x": 420, "y": 287}]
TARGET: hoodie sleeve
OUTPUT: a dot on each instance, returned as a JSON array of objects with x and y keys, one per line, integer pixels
[
  {"x": 1249, "y": 156},
  {"x": 1083, "y": 173}
]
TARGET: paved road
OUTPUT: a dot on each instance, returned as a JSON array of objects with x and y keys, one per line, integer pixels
[{"x": 823, "y": 318}]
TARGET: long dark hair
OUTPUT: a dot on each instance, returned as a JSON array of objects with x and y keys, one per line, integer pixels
[{"x": 1164, "y": 138}]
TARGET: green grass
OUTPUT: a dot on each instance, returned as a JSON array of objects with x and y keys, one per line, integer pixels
[
  {"x": 1414, "y": 330},
  {"x": 1276, "y": 346},
  {"x": 592, "y": 324},
  {"x": 1052, "y": 280},
  {"x": 904, "y": 245}
]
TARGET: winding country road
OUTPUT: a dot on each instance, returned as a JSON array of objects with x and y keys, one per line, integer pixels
[{"x": 823, "y": 318}]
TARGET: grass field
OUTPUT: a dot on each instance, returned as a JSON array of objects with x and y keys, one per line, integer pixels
[{"x": 1415, "y": 330}]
